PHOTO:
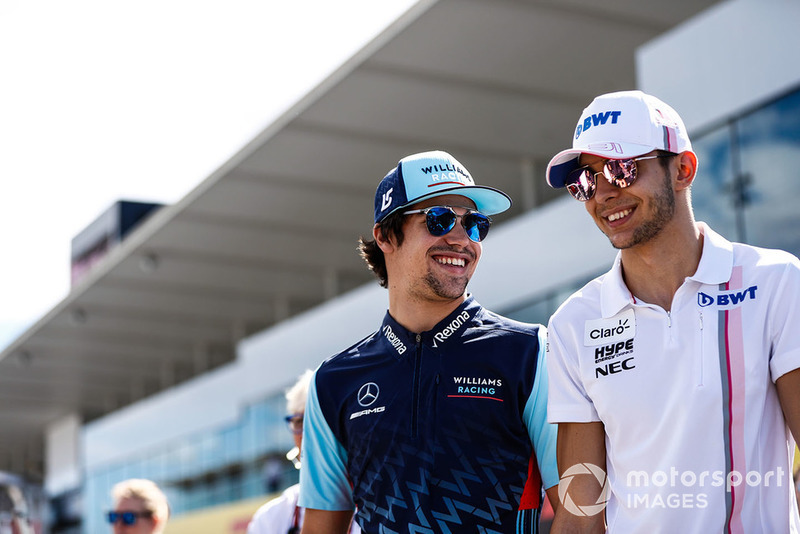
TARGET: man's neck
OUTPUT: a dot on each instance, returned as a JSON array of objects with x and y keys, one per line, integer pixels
[
  {"x": 420, "y": 316},
  {"x": 655, "y": 270}
]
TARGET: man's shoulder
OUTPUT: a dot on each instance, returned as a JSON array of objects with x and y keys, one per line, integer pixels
[
  {"x": 585, "y": 302},
  {"x": 275, "y": 509},
  {"x": 364, "y": 346},
  {"x": 764, "y": 258},
  {"x": 489, "y": 321}
]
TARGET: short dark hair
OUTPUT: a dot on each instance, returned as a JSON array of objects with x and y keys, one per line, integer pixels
[
  {"x": 390, "y": 227},
  {"x": 665, "y": 161}
]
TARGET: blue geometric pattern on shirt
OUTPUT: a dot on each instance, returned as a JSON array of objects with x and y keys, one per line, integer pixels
[{"x": 446, "y": 503}]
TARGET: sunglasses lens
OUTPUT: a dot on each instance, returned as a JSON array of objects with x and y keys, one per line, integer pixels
[
  {"x": 477, "y": 226},
  {"x": 440, "y": 220},
  {"x": 581, "y": 184},
  {"x": 296, "y": 424},
  {"x": 620, "y": 172},
  {"x": 128, "y": 518},
  {"x": 112, "y": 517}
]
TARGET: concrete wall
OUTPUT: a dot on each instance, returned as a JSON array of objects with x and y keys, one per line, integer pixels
[{"x": 732, "y": 57}]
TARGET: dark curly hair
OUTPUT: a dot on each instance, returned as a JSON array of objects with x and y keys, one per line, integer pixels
[{"x": 391, "y": 226}]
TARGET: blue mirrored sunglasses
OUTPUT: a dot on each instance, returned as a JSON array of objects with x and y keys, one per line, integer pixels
[
  {"x": 442, "y": 219},
  {"x": 127, "y": 518}
]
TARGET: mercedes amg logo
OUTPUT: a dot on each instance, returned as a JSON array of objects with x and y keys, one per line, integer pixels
[{"x": 368, "y": 393}]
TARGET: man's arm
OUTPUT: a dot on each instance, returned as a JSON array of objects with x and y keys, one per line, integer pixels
[
  {"x": 552, "y": 496},
  {"x": 580, "y": 443},
  {"x": 789, "y": 395},
  {"x": 326, "y": 522}
]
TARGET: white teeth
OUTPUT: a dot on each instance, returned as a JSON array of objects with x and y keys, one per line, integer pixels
[
  {"x": 618, "y": 215},
  {"x": 459, "y": 262}
]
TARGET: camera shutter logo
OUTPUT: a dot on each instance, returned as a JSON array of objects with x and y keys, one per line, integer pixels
[{"x": 566, "y": 479}]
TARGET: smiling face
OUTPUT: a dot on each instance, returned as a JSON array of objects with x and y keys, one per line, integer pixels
[
  {"x": 430, "y": 268},
  {"x": 636, "y": 214}
]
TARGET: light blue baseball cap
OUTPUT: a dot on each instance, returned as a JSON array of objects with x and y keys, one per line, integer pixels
[{"x": 431, "y": 174}]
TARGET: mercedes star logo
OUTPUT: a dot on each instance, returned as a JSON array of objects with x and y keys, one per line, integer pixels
[{"x": 368, "y": 393}]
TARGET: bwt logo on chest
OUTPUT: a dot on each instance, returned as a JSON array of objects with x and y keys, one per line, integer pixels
[
  {"x": 597, "y": 119},
  {"x": 724, "y": 300}
]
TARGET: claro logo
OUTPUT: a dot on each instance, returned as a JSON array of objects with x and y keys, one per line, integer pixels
[
  {"x": 621, "y": 327},
  {"x": 604, "y": 333},
  {"x": 726, "y": 300}
]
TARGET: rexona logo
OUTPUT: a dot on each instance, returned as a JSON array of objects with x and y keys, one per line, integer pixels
[
  {"x": 447, "y": 173},
  {"x": 726, "y": 300},
  {"x": 453, "y": 327},
  {"x": 393, "y": 340},
  {"x": 597, "y": 119},
  {"x": 621, "y": 327}
]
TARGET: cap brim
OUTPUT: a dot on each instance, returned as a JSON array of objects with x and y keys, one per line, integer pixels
[
  {"x": 567, "y": 160},
  {"x": 488, "y": 200}
]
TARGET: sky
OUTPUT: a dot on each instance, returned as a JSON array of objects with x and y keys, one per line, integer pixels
[{"x": 102, "y": 100}]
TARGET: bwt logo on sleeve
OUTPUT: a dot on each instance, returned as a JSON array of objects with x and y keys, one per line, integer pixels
[
  {"x": 726, "y": 300},
  {"x": 597, "y": 119}
]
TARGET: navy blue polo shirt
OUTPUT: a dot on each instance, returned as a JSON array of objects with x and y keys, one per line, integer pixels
[{"x": 443, "y": 431}]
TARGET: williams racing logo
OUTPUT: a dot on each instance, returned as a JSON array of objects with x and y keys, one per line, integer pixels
[
  {"x": 728, "y": 299},
  {"x": 473, "y": 387},
  {"x": 367, "y": 396}
]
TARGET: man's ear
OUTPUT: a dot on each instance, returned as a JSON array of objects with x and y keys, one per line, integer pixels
[
  {"x": 687, "y": 169},
  {"x": 385, "y": 243}
]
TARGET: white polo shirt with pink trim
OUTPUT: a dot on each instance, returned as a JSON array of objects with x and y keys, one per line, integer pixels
[{"x": 695, "y": 437}]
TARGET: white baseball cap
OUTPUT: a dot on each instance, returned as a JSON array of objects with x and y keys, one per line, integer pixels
[{"x": 620, "y": 125}]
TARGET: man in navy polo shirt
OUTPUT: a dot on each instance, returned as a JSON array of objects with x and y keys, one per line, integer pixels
[{"x": 437, "y": 421}]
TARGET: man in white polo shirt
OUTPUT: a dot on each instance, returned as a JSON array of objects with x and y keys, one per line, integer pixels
[{"x": 677, "y": 373}]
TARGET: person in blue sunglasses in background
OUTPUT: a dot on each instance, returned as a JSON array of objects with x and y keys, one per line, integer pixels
[
  {"x": 140, "y": 507},
  {"x": 436, "y": 422},
  {"x": 677, "y": 372}
]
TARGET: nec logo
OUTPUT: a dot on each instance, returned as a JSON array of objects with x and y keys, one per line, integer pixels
[
  {"x": 726, "y": 299},
  {"x": 614, "y": 368},
  {"x": 596, "y": 119}
]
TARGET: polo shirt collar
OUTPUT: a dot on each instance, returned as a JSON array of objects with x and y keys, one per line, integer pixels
[
  {"x": 715, "y": 267},
  {"x": 400, "y": 339}
]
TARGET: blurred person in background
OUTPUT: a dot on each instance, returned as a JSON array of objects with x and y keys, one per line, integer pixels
[
  {"x": 282, "y": 515},
  {"x": 140, "y": 507},
  {"x": 13, "y": 511}
]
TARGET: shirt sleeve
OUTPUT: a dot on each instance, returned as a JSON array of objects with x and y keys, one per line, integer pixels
[
  {"x": 567, "y": 400},
  {"x": 542, "y": 434},
  {"x": 323, "y": 476},
  {"x": 785, "y": 316},
  {"x": 276, "y": 516}
]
